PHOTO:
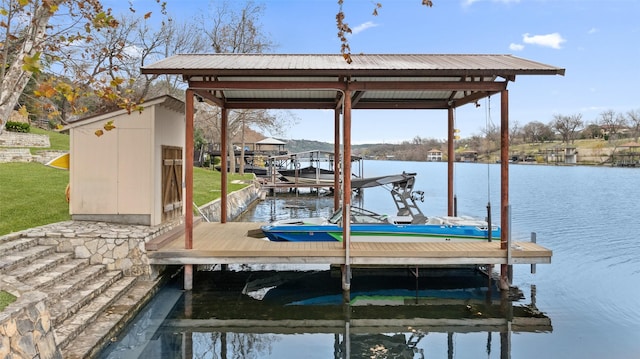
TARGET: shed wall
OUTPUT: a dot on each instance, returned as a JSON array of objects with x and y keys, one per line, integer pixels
[{"x": 111, "y": 174}]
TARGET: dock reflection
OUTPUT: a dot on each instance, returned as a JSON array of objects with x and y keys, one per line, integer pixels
[{"x": 392, "y": 314}]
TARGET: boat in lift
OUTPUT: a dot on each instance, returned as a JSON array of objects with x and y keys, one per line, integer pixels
[
  {"x": 308, "y": 175},
  {"x": 408, "y": 225}
]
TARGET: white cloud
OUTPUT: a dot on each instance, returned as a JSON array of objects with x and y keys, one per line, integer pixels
[
  {"x": 592, "y": 30},
  {"x": 516, "y": 47},
  {"x": 364, "y": 26},
  {"x": 554, "y": 40}
]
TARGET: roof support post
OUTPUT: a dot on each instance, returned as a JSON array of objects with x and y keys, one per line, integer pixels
[
  {"x": 188, "y": 171},
  {"x": 336, "y": 158},
  {"x": 224, "y": 124},
  {"x": 188, "y": 186},
  {"x": 346, "y": 194},
  {"x": 451, "y": 156},
  {"x": 346, "y": 169},
  {"x": 504, "y": 183}
]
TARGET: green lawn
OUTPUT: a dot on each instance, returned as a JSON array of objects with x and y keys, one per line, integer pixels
[
  {"x": 33, "y": 195},
  {"x": 206, "y": 184},
  {"x": 58, "y": 141},
  {"x": 6, "y": 298}
]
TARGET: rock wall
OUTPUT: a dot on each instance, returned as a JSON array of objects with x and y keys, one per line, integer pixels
[
  {"x": 238, "y": 202},
  {"x": 26, "y": 331},
  {"x": 16, "y": 139}
]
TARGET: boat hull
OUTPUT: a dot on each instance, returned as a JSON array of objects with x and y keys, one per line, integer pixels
[
  {"x": 378, "y": 233},
  {"x": 308, "y": 175}
]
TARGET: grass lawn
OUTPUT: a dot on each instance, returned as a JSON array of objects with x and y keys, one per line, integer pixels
[
  {"x": 58, "y": 141},
  {"x": 206, "y": 184},
  {"x": 6, "y": 299},
  {"x": 33, "y": 195}
]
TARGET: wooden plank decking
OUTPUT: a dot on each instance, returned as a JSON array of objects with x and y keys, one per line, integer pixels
[{"x": 228, "y": 243}]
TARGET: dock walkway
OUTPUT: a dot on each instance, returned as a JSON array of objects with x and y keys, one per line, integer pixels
[{"x": 230, "y": 243}]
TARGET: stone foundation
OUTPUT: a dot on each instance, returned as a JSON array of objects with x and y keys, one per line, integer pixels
[
  {"x": 26, "y": 331},
  {"x": 237, "y": 202}
]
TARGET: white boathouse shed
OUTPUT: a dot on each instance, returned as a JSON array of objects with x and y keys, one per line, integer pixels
[{"x": 131, "y": 173}]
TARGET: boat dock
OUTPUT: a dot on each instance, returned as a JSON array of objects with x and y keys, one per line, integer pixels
[{"x": 233, "y": 243}]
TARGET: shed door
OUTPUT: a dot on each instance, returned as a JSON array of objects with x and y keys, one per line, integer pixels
[{"x": 171, "y": 182}]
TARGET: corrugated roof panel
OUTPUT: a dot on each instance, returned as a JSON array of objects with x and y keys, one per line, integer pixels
[
  {"x": 220, "y": 62},
  {"x": 420, "y": 80}
]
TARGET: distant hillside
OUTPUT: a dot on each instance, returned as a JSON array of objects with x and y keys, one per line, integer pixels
[
  {"x": 594, "y": 151},
  {"x": 294, "y": 146}
]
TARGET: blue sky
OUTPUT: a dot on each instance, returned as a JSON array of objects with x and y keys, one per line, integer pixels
[{"x": 596, "y": 41}]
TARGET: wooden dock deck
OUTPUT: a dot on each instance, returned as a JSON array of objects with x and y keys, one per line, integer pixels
[{"x": 229, "y": 243}]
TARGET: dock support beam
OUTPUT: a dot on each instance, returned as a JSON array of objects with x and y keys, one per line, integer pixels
[
  {"x": 188, "y": 185},
  {"x": 336, "y": 159},
  {"x": 224, "y": 131},
  {"x": 188, "y": 277},
  {"x": 346, "y": 195},
  {"x": 451, "y": 157},
  {"x": 504, "y": 184}
]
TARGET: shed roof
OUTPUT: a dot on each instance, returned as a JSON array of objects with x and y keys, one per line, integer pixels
[
  {"x": 313, "y": 81},
  {"x": 167, "y": 101}
]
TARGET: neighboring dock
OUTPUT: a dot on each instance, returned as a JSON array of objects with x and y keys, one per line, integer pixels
[{"x": 230, "y": 243}]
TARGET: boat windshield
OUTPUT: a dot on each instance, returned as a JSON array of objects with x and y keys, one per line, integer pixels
[{"x": 359, "y": 215}]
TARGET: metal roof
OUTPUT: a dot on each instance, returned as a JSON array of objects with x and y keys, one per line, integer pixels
[
  {"x": 166, "y": 101},
  {"x": 312, "y": 81}
]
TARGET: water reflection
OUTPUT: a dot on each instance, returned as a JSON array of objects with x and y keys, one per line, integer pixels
[{"x": 277, "y": 314}]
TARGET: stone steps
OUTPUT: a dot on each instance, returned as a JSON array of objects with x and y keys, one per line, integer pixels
[
  {"x": 107, "y": 325},
  {"x": 70, "y": 328},
  {"x": 68, "y": 305},
  {"x": 88, "y": 304},
  {"x": 21, "y": 255},
  {"x": 27, "y": 270}
]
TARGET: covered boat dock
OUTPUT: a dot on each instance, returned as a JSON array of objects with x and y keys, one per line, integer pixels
[{"x": 380, "y": 82}]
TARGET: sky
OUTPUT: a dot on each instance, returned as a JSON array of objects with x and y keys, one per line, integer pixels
[{"x": 597, "y": 42}]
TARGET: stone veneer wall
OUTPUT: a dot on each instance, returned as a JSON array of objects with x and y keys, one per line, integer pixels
[
  {"x": 238, "y": 202},
  {"x": 17, "y": 139},
  {"x": 25, "y": 328},
  {"x": 117, "y": 246}
]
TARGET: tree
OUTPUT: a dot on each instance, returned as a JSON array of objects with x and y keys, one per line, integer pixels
[
  {"x": 536, "y": 131},
  {"x": 344, "y": 28},
  {"x": 633, "y": 121},
  {"x": 567, "y": 126},
  {"x": 38, "y": 33},
  {"x": 514, "y": 132},
  {"x": 612, "y": 123},
  {"x": 232, "y": 29},
  {"x": 592, "y": 131}
]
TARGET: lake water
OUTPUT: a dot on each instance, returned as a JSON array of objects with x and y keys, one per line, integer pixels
[{"x": 586, "y": 304}]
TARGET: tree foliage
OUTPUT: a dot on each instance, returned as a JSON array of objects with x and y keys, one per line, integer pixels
[
  {"x": 612, "y": 123},
  {"x": 344, "y": 29},
  {"x": 567, "y": 126},
  {"x": 632, "y": 118},
  {"x": 50, "y": 35}
]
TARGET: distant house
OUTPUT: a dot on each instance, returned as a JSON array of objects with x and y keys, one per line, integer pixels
[{"x": 434, "y": 155}]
